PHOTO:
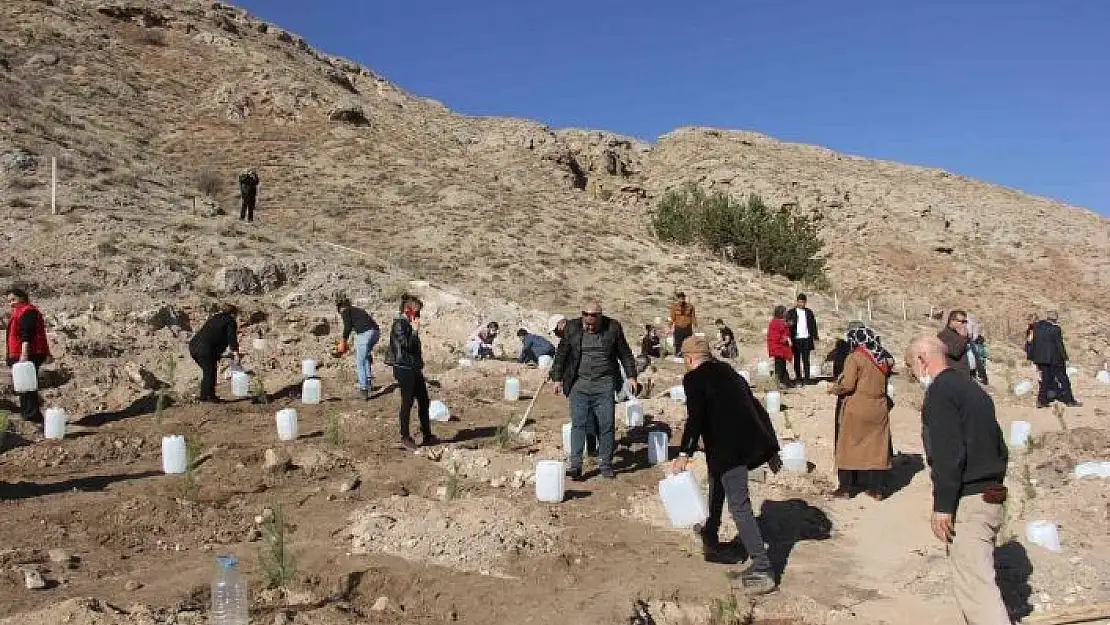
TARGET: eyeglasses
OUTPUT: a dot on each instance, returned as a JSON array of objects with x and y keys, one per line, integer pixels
[
  {"x": 590, "y": 314},
  {"x": 960, "y": 320}
]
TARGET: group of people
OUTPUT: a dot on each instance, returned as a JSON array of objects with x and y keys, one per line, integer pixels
[{"x": 792, "y": 336}]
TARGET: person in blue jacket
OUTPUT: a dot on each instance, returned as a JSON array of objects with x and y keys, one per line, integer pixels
[{"x": 532, "y": 346}]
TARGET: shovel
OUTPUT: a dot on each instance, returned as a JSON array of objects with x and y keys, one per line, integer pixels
[{"x": 523, "y": 420}]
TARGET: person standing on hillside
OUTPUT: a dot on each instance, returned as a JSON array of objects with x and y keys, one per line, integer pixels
[
  {"x": 406, "y": 356},
  {"x": 977, "y": 347},
  {"x": 778, "y": 345},
  {"x": 219, "y": 334},
  {"x": 248, "y": 192},
  {"x": 532, "y": 346},
  {"x": 1051, "y": 357},
  {"x": 367, "y": 333},
  {"x": 684, "y": 320},
  {"x": 803, "y": 334},
  {"x": 27, "y": 342},
  {"x": 1033, "y": 318},
  {"x": 863, "y": 442},
  {"x": 967, "y": 458},
  {"x": 738, "y": 437},
  {"x": 955, "y": 338},
  {"x": 587, "y": 370}
]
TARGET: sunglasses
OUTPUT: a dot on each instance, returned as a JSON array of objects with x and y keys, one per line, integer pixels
[
  {"x": 590, "y": 314},
  {"x": 960, "y": 320}
]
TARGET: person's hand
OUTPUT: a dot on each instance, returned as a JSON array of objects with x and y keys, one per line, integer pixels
[
  {"x": 678, "y": 465},
  {"x": 943, "y": 527},
  {"x": 23, "y": 357},
  {"x": 774, "y": 463},
  {"x": 557, "y": 388},
  {"x": 635, "y": 385}
]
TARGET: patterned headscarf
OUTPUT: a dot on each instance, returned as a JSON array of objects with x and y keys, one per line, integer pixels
[{"x": 866, "y": 338}]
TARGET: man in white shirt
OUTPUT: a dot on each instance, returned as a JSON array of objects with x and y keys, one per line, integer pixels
[{"x": 803, "y": 332}]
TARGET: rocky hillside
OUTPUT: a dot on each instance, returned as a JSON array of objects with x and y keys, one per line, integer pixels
[{"x": 153, "y": 107}]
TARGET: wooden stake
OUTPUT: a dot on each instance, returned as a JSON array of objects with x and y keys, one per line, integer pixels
[
  {"x": 53, "y": 185},
  {"x": 524, "y": 420},
  {"x": 836, "y": 302},
  {"x": 905, "y": 317},
  {"x": 1070, "y": 616},
  {"x": 869, "y": 317}
]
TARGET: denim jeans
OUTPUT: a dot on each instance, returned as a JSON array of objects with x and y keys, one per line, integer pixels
[
  {"x": 364, "y": 348},
  {"x": 585, "y": 407}
]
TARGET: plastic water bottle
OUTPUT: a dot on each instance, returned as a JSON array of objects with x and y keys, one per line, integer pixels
[{"x": 230, "y": 598}]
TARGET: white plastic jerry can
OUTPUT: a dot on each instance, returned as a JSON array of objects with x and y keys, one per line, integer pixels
[
  {"x": 683, "y": 500},
  {"x": 550, "y": 481}
]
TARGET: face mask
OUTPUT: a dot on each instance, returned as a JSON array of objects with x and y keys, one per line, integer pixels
[{"x": 411, "y": 314}]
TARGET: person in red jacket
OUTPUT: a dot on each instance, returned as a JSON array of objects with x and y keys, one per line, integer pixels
[
  {"x": 778, "y": 344},
  {"x": 27, "y": 343}
]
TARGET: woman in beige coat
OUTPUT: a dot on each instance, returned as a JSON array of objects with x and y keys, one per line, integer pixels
[{"x": 863, "y": 448}]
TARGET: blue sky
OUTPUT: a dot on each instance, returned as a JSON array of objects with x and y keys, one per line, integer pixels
[{"x": 1015, "y": 92}]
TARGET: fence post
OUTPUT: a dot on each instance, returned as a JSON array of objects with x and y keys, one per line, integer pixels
[
  {"x": 869, "y": 316},
  {"x": 836, "y": 302},
  {"x": 53, "y": 185},
  {"x": 905, "y": 317}
]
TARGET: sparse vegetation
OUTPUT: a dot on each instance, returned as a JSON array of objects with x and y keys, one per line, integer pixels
[
  {"x": 452, "y": 488},
  {"x": 209, "y": 182},
  {"x": 1058, "y": 410},
  {"x": 258, "y": 389},
  {"x": 504, "y": 435},
  {"x": 153, "y": 36},
  {"x": 783, "y": 242},
  {"x": 193, "y": 446},
  {"x": 1027, "y": 482},
  {"x": 277, "y": 563},
  {"x": 726, "y": 611},
  {"x": 5, "y": 421},
  {"x": 334, "y": 432}
]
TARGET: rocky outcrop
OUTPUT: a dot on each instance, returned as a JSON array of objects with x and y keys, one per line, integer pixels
[{"x": 349, "y": 113}]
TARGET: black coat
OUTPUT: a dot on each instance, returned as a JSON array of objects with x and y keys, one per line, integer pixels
[
  {"x": 722, "y": 411},
  {"x": 956, "y": 346},
  {"x": 216, "y": 335},
  {"x": 811, "y": 321},
  {"x": 1048, "y": 345},
  {"x": 569, "y": 353},
  {"x": 405, "y": 350}
]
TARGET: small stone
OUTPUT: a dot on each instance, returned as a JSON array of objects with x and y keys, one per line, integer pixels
[
  {"x": 276, "y": 461},
  {"x": 441, "y": 493},
  {"x": 132, "y": 585},
  {"x": 381, "y": 605},
  {"x": 347, "y": 486},
  {"x": 499, "y": 482},
  {"x": 33, "y": 580},
  {"x": 281, "y": 618},
  {"x": 60, "y": 556}
]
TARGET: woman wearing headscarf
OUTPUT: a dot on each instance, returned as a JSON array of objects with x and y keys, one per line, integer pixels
[
  {"x": 863, "y": 449},
  {"x": 778, "y": 344}
]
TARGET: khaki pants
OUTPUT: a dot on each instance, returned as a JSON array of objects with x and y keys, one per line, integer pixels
[{"x": 971, "y": 558}]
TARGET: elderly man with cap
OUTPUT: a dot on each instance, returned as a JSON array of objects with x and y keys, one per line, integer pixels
[
  {"x": 738, "y": 437},
  {"x": 587, "y": 368}
]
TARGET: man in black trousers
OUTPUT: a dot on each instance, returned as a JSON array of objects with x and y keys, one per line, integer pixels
[
  {"x": 1051, "y": 357},
  {"x": 803, "y": 335},
  {"x": 738, "y": 437},
  {"x": 208, "y": 345}
]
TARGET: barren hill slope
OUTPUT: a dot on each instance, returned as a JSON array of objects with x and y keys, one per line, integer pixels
[{"x": 139, "y": 99}]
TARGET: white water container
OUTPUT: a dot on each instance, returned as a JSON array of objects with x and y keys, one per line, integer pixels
[
  {"x": 890, "y": 390},
  {"x": 1072, "y": 371},
  {"x": 678, "y": 394},
  {"x": 286, "y": 424},
  {"x": 634, "y": 413},
  {"x": 700, "y": 335},
  {"x": 240, "y": 384},
  {"x": 567, "y": 427},
  {"x": 1019, "y": 433},
  {"x": 747, "y": 375},
  {"x": 683, "y": 500},
  {"x": 1092, "y": 469},
  {"x": 794, "y": 457},
  {"x": 308, "y": 368},
  {"x": 311, "y": 391},
  {"x": 437, "y": 411},
  {"x": 816, "y": 371},
  {"x": 545, "y": 363},
  {"x": 258, "y": 345},
  {"x": 763, "y": 368},
  {"x": 55, "y": 424},
  {"x": 24, "y": 377},
  {"x": 550, "y": 485},
  {"x": 1022, "y": 387},
  {"x": 512, "y": 389},
  {"x": 1043, "y": 534},
  {"x": 658, "y": 451},
  {"x": 774, "y": 402},
  {"x": 175, "y": 458},
  {"x": 466, "y": 362},
  {"x": 1103, "y": 377}
]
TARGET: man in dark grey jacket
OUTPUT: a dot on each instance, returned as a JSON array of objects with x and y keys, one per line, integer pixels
[
  {"x": 587, "y": 370},
  {"x": 956, "y": 341},
  {"x": 1051, "y": 357}
]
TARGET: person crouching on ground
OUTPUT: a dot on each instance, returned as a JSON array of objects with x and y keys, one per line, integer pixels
[
  {"x": 406, "y": 356},
  {"x": 532, "y": 346},
  {"x": 778, "y": 345},
  {"x": 725, "y": 346},
  {"x": 967, "y": 458},
  {"x": 27, "y": 343},
  {"x": 480, "y": 345},
  {"x": 587, "y": 370},
  {"x": 219, "y": 334},
  {"x": 863, "y": 449},
  {"x": 367, "y": 333},
  {"x": 738, "y": 437}
]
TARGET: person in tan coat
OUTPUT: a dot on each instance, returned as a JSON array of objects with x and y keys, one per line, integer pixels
[{"x": 863, "y": 449}]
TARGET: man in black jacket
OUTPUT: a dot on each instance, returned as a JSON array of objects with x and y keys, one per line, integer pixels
[
  {"x": 248, "y": 191},
  {"x": 967, "y": 458},
  {"x": 1051, "y": 357},
  {"x": 406, "y": 356},
  {"x": 722, "y": 411},
  {"x": 587, "y": 367},
  {"x": 803, "y": 334},
  {"x": 957, "y": 341},
  {"x": 208, "y": 345}
]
